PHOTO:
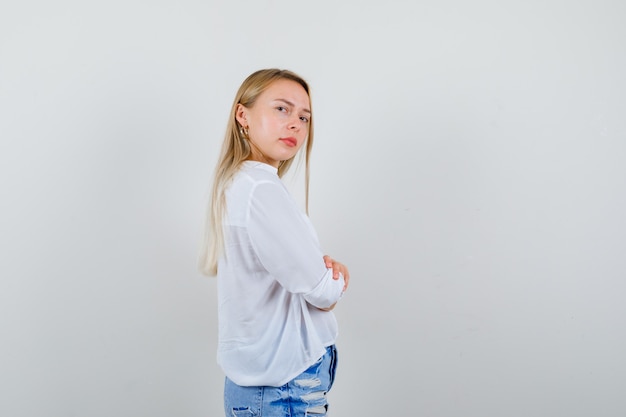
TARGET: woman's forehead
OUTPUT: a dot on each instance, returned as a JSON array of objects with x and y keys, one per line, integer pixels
[{"x": 288, "y": 91}]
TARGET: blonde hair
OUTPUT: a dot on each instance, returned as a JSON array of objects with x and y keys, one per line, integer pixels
[{"x": 235, "y": 150}]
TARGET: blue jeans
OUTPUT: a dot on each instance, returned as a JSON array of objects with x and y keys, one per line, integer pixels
[{"x": 305, "y": 395}]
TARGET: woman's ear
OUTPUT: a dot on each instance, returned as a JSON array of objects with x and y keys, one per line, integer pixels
[{"x": 241, "y": 114}]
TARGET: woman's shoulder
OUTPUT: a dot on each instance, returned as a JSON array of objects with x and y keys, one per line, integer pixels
[
  {"x": 256, "y": 187},
  {"x": 254, "y": 176}
]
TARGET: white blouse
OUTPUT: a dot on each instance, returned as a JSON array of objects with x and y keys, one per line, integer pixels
[{"x": 271, "y": 280}]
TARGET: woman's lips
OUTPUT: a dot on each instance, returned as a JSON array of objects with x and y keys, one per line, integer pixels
[{"x": 291, "y": 142}]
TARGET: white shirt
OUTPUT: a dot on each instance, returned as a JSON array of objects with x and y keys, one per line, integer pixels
[{"x": 271, "y": 280}]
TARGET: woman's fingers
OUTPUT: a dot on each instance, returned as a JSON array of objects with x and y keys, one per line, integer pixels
[{"x": 338, "y": 270}]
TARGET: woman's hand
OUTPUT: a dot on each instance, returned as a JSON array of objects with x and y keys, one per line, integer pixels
[{"x": 338, "y": 268}]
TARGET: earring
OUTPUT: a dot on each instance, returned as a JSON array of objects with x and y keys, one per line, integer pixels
[{"x": 244, "y": 132}]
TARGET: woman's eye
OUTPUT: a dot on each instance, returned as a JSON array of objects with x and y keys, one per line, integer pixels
[
  {"x": 281, "y": 108},
  {"x": 304, "y": 119}
]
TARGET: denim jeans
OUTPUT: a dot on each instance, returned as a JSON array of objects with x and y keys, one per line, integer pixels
[{"x": 305, "y": 395}]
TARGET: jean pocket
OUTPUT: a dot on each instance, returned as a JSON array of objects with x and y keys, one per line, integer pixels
[{"x": 333, "y": 365}]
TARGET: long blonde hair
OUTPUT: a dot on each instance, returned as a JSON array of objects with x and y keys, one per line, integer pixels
[{"x": 235, "y": 150}]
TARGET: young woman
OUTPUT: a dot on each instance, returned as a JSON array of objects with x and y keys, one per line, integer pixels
[{"x": 276, "y": 289}]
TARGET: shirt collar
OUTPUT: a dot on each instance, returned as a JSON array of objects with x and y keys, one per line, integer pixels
[{"x": 261, "y": 165}]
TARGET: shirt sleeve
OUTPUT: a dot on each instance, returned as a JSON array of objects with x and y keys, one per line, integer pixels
[{"x": 287, "y": 246}]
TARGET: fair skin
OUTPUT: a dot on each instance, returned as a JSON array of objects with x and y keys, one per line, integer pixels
[
  {"x": 337, "y": 268},
  {"x": 277, "y": 126},
  {"x": 278, "y": 123}
]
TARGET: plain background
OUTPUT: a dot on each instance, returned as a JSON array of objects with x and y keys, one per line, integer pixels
[{"x": 468, "y": 168}]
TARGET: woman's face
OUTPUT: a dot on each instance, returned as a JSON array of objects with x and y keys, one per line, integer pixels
[{"x": 278, "y": 122}]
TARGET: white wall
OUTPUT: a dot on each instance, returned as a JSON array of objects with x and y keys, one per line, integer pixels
[{"x": 469, "y": 169}]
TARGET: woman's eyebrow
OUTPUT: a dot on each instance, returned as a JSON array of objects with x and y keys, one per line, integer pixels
[{"x": 289, "y": 103}]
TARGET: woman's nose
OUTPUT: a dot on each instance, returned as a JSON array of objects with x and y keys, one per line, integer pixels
[{"x": 294, "y": 123}]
